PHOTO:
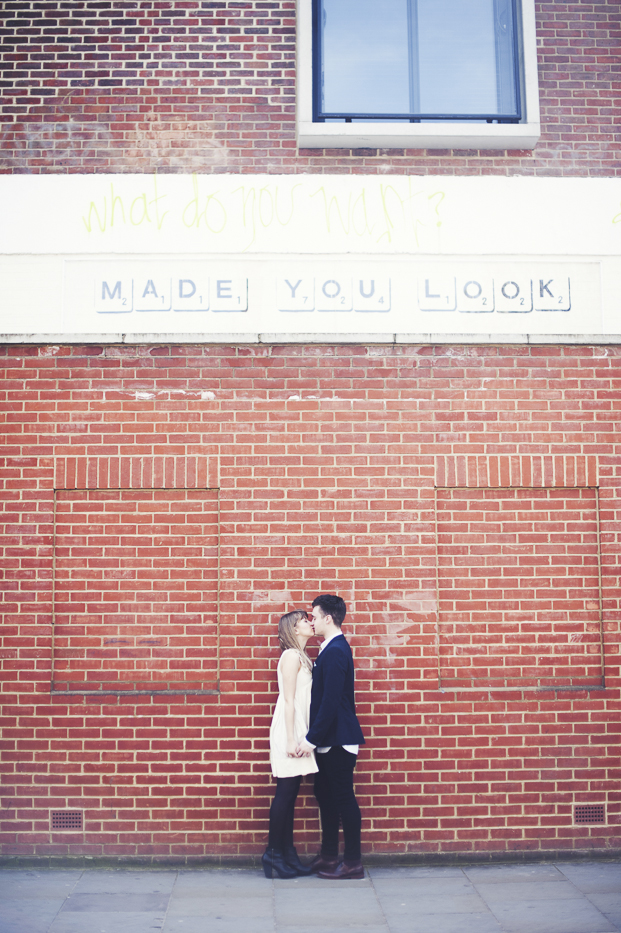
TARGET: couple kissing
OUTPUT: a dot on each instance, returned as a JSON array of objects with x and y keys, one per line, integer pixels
[{"x": 315, "y": 731}]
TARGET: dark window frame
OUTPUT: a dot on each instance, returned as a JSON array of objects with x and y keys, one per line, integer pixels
[{"x": 322, "y": 117}]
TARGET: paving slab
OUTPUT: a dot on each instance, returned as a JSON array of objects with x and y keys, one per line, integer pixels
[
  {"x": 594, "y": 877},
  {"x": 416, "y": 871},
  {"x": 609, "y": 904},
  {"x": 214, "y": 925},
  {"x": 116, "y": 903},
  {"x": 222, "y": 908},
  {"x": 28, "y": 914},
  {"x": 314, "y": 883},
  {"x": 446, "y": 923},
  {"x": 321, "y": 891},
  {"x": 17, "y": 883},
  {"x": 222, "y": 883},
  {"x": 505, "y": 892},
  {"x": 97, "y": 922},
  {"x": 332, "y": 926},
  {"x": 357, "y": 906},
  {"x": 125, "y": 882},
  {"x": 406, "y": 903},
  {"x": 488, "y": 874},
  {"x": 421, "y": 887},
  {"x": 570, "y": 915},
  {"x": 25, "y": 925}
]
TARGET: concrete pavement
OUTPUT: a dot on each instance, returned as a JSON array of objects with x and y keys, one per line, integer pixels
[{"x": 541, "y": 897}]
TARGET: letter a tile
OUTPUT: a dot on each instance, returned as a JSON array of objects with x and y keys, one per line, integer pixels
[{"x": 152, "y": 294}]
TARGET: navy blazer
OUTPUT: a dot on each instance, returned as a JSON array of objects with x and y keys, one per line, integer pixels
[{"x": 333, "y": 718}]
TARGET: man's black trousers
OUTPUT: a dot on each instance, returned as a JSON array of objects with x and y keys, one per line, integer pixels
[{"x": 334, "y": 792}]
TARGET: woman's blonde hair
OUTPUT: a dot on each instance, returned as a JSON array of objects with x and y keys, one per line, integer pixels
[{"x": 286, "y": 634}]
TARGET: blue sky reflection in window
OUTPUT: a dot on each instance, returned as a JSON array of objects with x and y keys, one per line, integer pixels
[{"x": 416, "y": 59}]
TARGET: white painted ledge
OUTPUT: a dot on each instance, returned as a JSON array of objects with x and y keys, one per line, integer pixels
[
  {"x": 423, "y": 339},
  {"x": 501, "y": 136}
]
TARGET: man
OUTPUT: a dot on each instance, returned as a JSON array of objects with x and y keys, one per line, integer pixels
[{"x": 334, "y": 732}]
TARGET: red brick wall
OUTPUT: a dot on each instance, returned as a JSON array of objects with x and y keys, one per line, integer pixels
[
  {"x": 328, "y": 462},
  {"x": 201, "y": 86}
]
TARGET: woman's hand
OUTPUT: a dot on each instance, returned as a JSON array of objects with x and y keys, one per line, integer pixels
[
  {"x": 305, "y": 750},
  {"x": 292, "y": 749}
]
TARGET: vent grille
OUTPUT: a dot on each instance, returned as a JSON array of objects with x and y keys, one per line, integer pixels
[
  {"x": 67, "y": 820},
  {"x": 595, "y": 813}
]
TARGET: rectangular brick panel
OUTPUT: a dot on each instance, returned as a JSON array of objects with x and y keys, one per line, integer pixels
[
  {"x": 146, "y": 472},
  {"x": 518, "y": 587},
  {"x": 135, "y": 599},
  {"x": 527, "y": 470}
]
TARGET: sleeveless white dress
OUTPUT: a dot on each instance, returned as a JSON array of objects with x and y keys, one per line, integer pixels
[{"x": 281, "y": 765}]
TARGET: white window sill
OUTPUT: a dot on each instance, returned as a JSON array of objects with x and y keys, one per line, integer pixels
[{"x": 418, "y": 136}]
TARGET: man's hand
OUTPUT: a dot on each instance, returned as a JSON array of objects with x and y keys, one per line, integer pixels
[{"x": 304, "y": 749}]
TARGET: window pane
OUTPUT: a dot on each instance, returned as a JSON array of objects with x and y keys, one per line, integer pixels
[
  {"x": 459, "y": 42},
  {"x": 365, "y": 56},
  {"x": 417, "y": 56}
]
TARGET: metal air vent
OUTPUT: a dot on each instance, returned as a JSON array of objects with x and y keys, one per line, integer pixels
[
  {"x": 592, "y": 813},
  {"x": 66, "y": 821}
]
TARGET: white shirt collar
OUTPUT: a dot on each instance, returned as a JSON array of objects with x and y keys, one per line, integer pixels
[{"x": 327, "y": 641}]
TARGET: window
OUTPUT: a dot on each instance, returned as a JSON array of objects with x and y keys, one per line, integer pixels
[
  {"x": 417, "y": 74},
  {"x": 415, "y": 60}
]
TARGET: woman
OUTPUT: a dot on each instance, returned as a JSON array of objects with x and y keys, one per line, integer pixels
[{"x": 289, "y": 725}]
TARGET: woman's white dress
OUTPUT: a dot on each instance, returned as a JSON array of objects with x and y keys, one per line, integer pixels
[{"x": 281, "y": 765}]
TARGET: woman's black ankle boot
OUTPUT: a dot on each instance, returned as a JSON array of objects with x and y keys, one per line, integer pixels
[
  {"x": 293, "y": 861},
  {"x": 274, "y": 864}
]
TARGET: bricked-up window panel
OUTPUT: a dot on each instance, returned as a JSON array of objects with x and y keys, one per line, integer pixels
[
  {"x": 518, "y": 586},
  {"x": 136, "y": 590}
]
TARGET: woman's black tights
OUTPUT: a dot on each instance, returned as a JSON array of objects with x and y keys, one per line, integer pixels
[{"x": 281, "y": 813}]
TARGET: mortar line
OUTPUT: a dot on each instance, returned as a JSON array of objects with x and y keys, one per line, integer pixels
[
  {"x": 218, "y": 570},
  {"x": 53, "y": 647},
  {"x": 600, "y": 592},
  {"x": 435, "y": 517}
]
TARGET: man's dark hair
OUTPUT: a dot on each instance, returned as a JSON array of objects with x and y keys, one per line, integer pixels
[{"x": 332, "y": 606}]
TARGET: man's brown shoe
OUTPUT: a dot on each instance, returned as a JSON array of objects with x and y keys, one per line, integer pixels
[
  {"x": 320, "y": 863},
  {"x": 344, "y": 871}
]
